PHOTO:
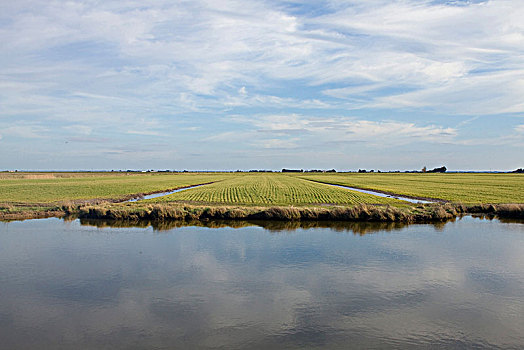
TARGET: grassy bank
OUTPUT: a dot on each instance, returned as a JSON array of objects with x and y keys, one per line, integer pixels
[
  {"x": 359, "y": 212},
  {"x": 22, "y": 212},
  {"x": 143, "y": 211}
]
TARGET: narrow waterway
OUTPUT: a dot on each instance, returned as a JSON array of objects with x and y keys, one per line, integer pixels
[
  {"x": 261, "y": 285},
  {"x": 380, "y": 194},
  {"x": 162, "y": 194}
]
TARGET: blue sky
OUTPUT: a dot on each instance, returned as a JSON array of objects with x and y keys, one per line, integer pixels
[{"x": 226, "y": 84}]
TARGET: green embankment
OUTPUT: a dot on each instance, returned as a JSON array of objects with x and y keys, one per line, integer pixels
[
  {"x": 459, "y": 187},
  {"x": 272, "y": 189}
]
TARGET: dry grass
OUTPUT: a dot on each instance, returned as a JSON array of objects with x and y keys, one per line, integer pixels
[
  {"x": 502, "y": 210},
  {"x": 68, "y": 175},
  {"x": 361, "y": 212},
  {"x": 166, "y": 212}
]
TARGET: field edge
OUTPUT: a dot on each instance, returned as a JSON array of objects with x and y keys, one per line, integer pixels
[{"x": 177, "y": 211}]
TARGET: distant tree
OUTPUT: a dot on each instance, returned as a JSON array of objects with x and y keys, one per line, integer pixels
[
  {"x": 438, "y": 170},
  {"x": 424, "y": 169},
  {"x": 292, "y": 170}
]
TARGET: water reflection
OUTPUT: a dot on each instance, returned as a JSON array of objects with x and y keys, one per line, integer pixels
[
  {"x": 357, "y": 227},
  {"x": 93, "y": 284}
]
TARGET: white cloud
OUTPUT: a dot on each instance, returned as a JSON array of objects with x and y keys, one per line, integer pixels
[
  {"x": 520, "y": 128},
  {"x": 369, "y": 129},
  {"x": 493, "y": 93},
  {"x": 113, "y": 65},
  {"x": 228, "y": 136},
  {"x": 337, "y": 130},
  {"x": 78, "y": 129},
  {"x": 277, "y": 143},
  {"x": 197, "y": 48},
  {"x": 145, "y": 133},
  {"x": 191, "y": 128},
  {"x": 26, "y": 131}
]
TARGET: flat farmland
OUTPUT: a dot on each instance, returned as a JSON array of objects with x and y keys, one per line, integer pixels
[
  {"x": 272, "y": 189},
  {"x": 454, "y": 187},
  {"x": 261, "y": 188},
  {"x": 54, "y": 187}
]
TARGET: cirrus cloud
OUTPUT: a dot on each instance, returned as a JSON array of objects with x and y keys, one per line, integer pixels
[{"x": 407, "y": 71}]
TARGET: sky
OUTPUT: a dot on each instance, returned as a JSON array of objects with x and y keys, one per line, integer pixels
[{"x": 261, "y": 84}]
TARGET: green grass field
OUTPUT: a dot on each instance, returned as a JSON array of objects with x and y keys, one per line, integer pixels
[
  {"x": 272, "y": 189},
  {"x": 261, "y": 188},
  {"x": 461, "y": 187},
  {"x": 48, "y": 188}
]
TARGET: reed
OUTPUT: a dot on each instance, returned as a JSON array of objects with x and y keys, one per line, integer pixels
[{"x": 360, "y": 212}]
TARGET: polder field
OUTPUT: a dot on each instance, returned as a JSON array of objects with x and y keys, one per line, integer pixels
[
  {"x": 24, "y": 194},
  {"x": 272, "y": 189},
  {"x": 453, "y": 187},
  {"x": 30, "y": 188},
  {"x": 262, "y": 188}
]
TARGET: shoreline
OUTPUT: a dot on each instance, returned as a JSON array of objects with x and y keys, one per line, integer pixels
[{"x": 137, "y": 211}]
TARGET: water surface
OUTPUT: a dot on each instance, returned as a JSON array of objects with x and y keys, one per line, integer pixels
[
  {"x": 162, "y": 194},
  {"x": 385, "y": 195},
  {"x": 102, "y": 285}
]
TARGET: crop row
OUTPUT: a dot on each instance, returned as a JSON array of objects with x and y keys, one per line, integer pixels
[
  {"x": 263, "y": 188},
  {"x": 272, "y": 189},
  {"x": 46, "y": 190},
  {"x": 455, "y": 187}
]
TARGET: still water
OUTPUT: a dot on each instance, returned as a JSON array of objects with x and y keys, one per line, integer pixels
[
  {"x": 98, "y": 285},
  {"x": 162, "y": 194},
  {"x": 385, "y": 195}
]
